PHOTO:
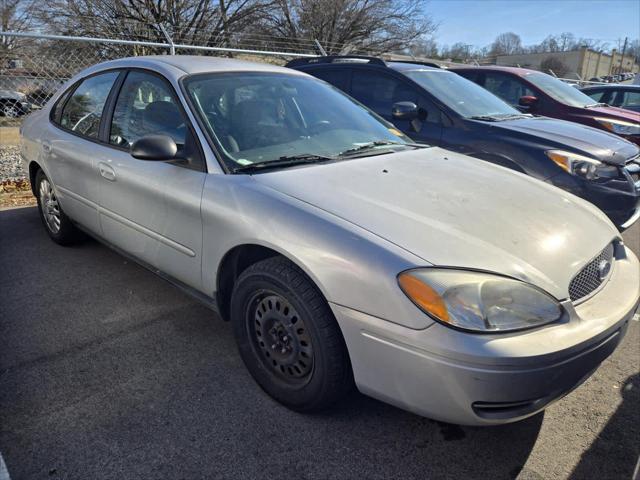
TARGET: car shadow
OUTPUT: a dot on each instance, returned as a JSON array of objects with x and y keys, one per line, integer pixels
[{"x": 615, "y": 451}]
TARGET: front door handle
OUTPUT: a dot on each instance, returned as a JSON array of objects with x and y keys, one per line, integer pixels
[{"x": 107, "y": 172}]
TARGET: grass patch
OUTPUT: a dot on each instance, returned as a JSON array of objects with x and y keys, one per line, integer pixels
[
  {"x": 9, "y": 136},
  {"x": 16, "y": 193}
]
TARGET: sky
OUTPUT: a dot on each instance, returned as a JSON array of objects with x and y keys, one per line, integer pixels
[{"x": 478, "y": 22}]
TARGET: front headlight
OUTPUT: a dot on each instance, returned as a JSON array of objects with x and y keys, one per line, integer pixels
[
  {"x": 619, "y": 127},
  {"x": 582, "y": 166},
  {"x": 478, "y": 302}
]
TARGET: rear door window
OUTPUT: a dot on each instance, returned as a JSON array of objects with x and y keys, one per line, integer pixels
[
  {"x": 507, "y": 87},
  {"x": 82, "y": 113},
  {"x": 339, "y": 78},
  {"x": 376, "y": 90}
]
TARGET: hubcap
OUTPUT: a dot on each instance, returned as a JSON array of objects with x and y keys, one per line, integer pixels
[
  {"x": 281, "y": 338},
  {"x": 49, "y": 205},
  {"x": 10, "y": 111}
]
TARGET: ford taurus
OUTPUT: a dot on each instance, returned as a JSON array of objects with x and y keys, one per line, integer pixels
[{"x": 340, "y": 252}]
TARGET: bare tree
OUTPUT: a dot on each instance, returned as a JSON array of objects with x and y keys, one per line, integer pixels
[
  {"x": 16, "y": 16},
  {"x": 634, "y": 49},
  {"x": 347, "y": 25},
  {"x": 566, "y": 41},
  {"x": 424, "y": 47},
  {"x": 507, "y": 43},
  {"x": 202, "y": 22},
  {"x": 555, "y": 66}
]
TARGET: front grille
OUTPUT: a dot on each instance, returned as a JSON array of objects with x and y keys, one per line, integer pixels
[{"x": 591, "y": 276}]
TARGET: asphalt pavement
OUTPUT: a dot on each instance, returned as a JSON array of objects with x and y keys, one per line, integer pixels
[{"x": 107, "y": 371}]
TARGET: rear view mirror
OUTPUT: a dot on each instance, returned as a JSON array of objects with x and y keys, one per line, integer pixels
[
  {"x": 527, "y": 101},
  {"x": 404, "y": 111},
  {"x": 154, "y": 147}
]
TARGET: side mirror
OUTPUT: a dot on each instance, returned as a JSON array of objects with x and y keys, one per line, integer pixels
[
  {"x": 404, "y": 111},
  {"x": 527, "y": 101},
  {"x": 154, "y": 147}
]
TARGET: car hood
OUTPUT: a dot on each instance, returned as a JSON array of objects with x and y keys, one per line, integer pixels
[
  {"x": 598, "y": 144},
  {"x": 614, "y": 112},
  {"x": 453, "y": 210}
]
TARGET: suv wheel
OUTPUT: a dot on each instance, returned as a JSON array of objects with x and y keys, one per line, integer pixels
[
  {"x": 288, "y": 337},
  {"x": 57, "y": 224}
]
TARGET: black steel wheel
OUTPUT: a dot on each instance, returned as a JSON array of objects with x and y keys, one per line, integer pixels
[
  {"x": 287, "y": 336},
  {"x": 280, "y": 336}
]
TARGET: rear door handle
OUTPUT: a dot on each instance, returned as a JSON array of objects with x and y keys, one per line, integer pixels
[{"x": 107, "y": 172}]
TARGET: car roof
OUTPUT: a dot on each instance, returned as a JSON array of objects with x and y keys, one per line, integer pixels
[
  {"x": 176, "y": 66},
  {"x": 406, "y": 66},
  {"x": 333, "y": 61},
  {"x": 515, "y": 70}
]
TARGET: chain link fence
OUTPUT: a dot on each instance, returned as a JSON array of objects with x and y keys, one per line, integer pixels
[{"x": 33, "y": 66}]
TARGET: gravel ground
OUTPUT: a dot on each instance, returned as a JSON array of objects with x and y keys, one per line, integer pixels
[{"x": 10, "y": 164}]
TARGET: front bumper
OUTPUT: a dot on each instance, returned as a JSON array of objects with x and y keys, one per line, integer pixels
[
  {"x": 619, "y": 199},
  {"x": 489, "y": 379}
]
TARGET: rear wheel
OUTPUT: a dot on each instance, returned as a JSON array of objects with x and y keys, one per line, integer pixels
[
  {"x": 288, "y": 337},
  {"x": 56, "y": 223}
]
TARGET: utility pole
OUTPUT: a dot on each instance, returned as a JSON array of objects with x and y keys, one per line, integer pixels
[{"x": 624, "y": 49}]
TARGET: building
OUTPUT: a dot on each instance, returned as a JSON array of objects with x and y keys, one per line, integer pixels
[{"x": 583, "y": 63}]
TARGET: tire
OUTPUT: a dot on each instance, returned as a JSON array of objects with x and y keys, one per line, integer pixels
[
  {"x": 58, "y": 226},
  {"x": 288, "y": 337}
]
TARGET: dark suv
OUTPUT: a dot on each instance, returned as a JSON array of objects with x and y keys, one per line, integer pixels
[{"x": 438, "y": 107}]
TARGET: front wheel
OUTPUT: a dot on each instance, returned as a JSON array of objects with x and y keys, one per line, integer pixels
[{"x": 288, "y": 337}]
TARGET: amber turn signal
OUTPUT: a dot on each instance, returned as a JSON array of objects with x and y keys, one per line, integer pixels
[{"x": 423, "y": 296}]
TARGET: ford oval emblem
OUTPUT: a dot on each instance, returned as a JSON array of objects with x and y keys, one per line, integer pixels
[{"x": 604, "y": 267}]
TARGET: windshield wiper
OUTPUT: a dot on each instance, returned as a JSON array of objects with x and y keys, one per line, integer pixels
[
  {"x": 499, "y": 117},
  {"x": 485, "y": 118},
  {"x": 593, "y": 105},
  {"x": 284, "y": 162},
  {"x": 377, "y": 143}
]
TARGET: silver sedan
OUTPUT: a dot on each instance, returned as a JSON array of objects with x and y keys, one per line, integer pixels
[{"x": 342, "y": 253}]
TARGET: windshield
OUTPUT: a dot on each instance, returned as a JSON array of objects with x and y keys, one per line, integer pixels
[
  {"x": 269, "y": 117},
  {"x": 559, "y": 90},
  {"x": 461, "y": 95}
]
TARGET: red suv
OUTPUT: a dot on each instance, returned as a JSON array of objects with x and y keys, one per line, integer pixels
[{"x": 541, "y": 94}]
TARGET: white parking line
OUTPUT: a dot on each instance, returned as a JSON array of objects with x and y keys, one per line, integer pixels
[{"x": 4, "y": 473}]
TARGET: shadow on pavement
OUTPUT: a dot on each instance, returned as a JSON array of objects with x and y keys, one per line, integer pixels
[{"x": 614, "y": 453}]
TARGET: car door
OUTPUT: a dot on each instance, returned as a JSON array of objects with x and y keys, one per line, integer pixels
[
  {"x": 70, "y": 143},
  {"x": 151, "y": 209},
  {"x": 379, "y": 91}
]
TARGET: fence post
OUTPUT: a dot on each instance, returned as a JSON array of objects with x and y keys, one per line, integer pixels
[
  {"x": 172, "y": 47},
  {"x": 323, "y": 52}
]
